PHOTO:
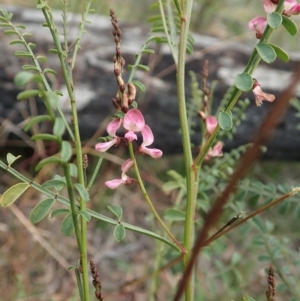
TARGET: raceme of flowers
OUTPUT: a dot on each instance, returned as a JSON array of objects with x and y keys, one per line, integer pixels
[
  {"x": 258, "y": 24},
  {"x": 133, "y": 122}
]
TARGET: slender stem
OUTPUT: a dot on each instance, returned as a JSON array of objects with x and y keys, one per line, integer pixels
[
  {"x": 72, "y": 203},
  {"x": 67, "y": 73},
  {"x": 146, "y": 196},
  {"x": 188, "y": 160},
  {"x": 64, "y": 201},
  {"x": 96, "y": 170}
]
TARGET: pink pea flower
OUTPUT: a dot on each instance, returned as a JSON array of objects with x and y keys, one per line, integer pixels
[
  {"x": 133, "y": 122},
  {"x": 270, "y": 5},
  {"x": 148, "y": 139},
  {"x": 260, "y": 95},
  {"x": 211, "y": 123},
  {"x": 111, "y": 129},
  {"x": 125, "y": 180},
  {"x": 291, "y": 7},
  {"x": 216, "y": 151},
  {"x": 259, "y": 25}
]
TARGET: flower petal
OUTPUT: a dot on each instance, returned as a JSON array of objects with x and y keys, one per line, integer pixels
[
  {"x": 147, "y": 134},
  {"x": 260, "y": 96},
  {"x": 126, "y": 166},
  {"x": 152, "y": 152},
  {"x": 211, "y": 123},
  {"x": 269, "y": 6},
  {"x": 130, "y": 136},
  {"x": 113, "y": 126},
  {"x": 134, "y": 121},
  {"x": 113, "y": 184},
  {"x": 216, "y": 151},
  {"x": 258, "y": 24},
  {"x": 104, "y": 146}
]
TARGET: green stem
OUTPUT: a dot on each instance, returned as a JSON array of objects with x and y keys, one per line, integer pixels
[
  {"x": 96, "y": 170},
  {"x": 188, "y": 160},
  {"x": 146, "y": 196},
  {"x": 67, "y": 73},
  {"x": 72, "y": 203},
  {"x": 64, "y": 201}
]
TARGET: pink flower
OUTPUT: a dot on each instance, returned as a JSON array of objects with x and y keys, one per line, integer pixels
[
  {"x": 211, "y": 123},
  {"x": 260, "y": 95},
  {"x": 291, "y": 7},
  {"x": 111, "y": 129},
  {"x": 148, "y": 139},
  {"x": 216, "y": 151},
  {"x": 259, "y": 25},
  {"x": 133, "y": 122},
  {"x": 125, "y": 180},
  {"x": 270, "y": 6}
]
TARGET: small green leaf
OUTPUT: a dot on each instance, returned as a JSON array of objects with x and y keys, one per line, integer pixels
[
  {"x": 264, "y": 258},
  {"x": 244, "y": 81},
  {"x": 46, "y": 161},
  {"x": 60, "y": 211},
  {"x": 22, "y": 78},
  {"x": 59, "y": 127},
  {"x": 225, "y": 121},
  {"x": 119, "y": 232},
  {"x": 73, "y": 170},
  {"x": 266, "y": 52},
  {"x": 281, "y": 54},
  {"x": 284, "y": 208},
  {"x": 41, "y": 58},
  {"x": 139, "y": 85},
  {"x": 174, "y": 215},
  {"x": 67, "y": 225},
  {"x": 30, "y": 67},
  {"x": 258, "y": 222},
  {"x": 27, "y": 94},
  {"x": 35, "y": 120},
  {"x": 31, "y": 45},
  {"x": 82, "y": 192},
  {"x": 248, "y": 298},
  {"x": 59, "y": 184},
  {"x": 148, "y": 51},
  {"x": 9, "y": 32},
  {"x": 13, "y": 193},
  {"x": 289, "y": 25},
  {"x": 116, "y": 210},
  {"x": 254, "y": 200},
  {"x": 49, "y": 70},
  {"x": 23, "y": 53},
  {"x": 274, "y": 20},
  {"x": 85, "y": 215},
  {"x": 13, "y": 42},
  {"x": 47, "y": 137},
  {"x": 11, "y": 158},
  {"x": 119, "y": 114},
  {"x": 41, "y": 210},
  {"x": 66, "y": 151},
  {"x": 53, "y": 51},
  {"x": 142, "y": 67},
  {"x": 21, "y": 26}
]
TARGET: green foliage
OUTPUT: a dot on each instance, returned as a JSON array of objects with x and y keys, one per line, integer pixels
[
  {"x": 41, "y": 210},
  {"x": 266, "y": 52},
  {"x": 13, "y": 193}
]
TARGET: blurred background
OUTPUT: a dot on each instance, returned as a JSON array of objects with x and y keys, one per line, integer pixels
[{"x": 35, "y": 258}]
